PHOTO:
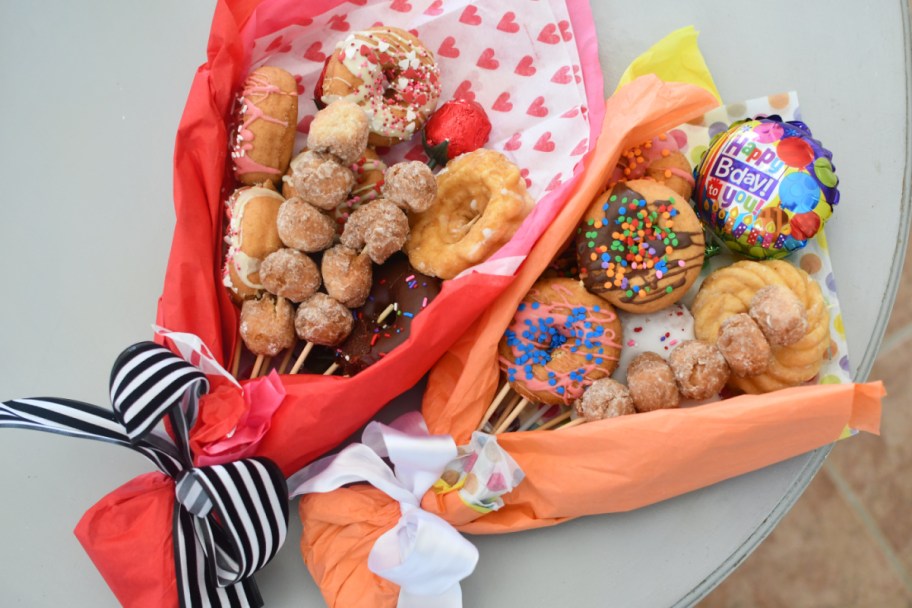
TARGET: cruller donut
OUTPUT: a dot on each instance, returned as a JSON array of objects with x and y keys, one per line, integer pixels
[
  {"x": 391, "y": 75},
  {"x": 481, "y": 201},
  {"x": 561, "y": 339}
]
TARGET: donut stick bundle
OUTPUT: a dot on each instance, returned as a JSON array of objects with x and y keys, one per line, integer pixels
[{"x": 282, "y": 252}]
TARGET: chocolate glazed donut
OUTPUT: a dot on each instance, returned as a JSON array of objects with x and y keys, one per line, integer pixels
[
  {"x": 640, "y": 246},
  {"x": 395, "y": 282}
]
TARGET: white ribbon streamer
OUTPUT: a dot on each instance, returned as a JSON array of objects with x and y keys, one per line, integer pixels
[{"x": 422, "y": 553}]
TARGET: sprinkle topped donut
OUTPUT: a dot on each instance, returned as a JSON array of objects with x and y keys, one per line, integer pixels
[
  {"x": 391, "y": 75},
  {"x": 561, "y": 339},
  {"x": 659, "y": 159},
  {"x": 640, "y": 246}
]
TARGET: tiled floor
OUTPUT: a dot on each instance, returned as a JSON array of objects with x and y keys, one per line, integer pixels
[{"x": 848, "y": 540}]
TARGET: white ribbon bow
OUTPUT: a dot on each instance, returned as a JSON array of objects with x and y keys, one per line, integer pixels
[{"x": 422, "y": 553}]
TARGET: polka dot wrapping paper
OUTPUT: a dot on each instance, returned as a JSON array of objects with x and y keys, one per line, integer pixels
[{"x": 693, "y": 138}]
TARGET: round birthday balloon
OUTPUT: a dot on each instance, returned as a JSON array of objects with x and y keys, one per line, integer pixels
[{"x": 765, "y": 187}]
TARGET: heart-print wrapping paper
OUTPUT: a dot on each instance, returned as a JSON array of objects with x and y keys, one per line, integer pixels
[{"x": 532, "y": 65}]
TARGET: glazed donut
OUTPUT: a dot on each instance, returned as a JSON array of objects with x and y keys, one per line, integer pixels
[
  {"x": 561, "y": 339},
  {"x": 252, "y": 235},
  {"x": 730, "y": 290},
  {"x": 481, "y": 201},
  {"x": 658, "y": 159},
  {"x": 640, "y": 246},
  {"x": 391, "y": 75},
  {"x": 267, "y": 120}
]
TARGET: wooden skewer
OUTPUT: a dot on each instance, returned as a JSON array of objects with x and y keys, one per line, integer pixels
[
  {"x": 308, "y": 346},
  {"x": 236, "y": 359},
  {"x": 331, "y": 369},
  {"x": 555, "y": 421},
  {"x": 494, "y": 405},
  {"x": 534, "y": 418},
  {"x": 264, "y": 369},
  {"x": 257, "y": 365},
  {"x": 506, "y": 411},
  {"x": 516, "y": 412},
  {"x": 283, "y": 366},
  {"x": 576, "y": 422}
]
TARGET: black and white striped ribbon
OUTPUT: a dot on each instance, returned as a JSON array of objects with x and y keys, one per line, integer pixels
[{"x": 229, "y": 519}]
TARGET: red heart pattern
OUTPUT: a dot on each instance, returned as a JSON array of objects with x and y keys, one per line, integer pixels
[
  {"x": 468, "y": 32},
  {"x": 562, "y": 76},
  {"x": 487, "y": 60},
  {"x": 464, "y": 91},
  {"x": 448, "y": 48},
  {"x": 538, "y": 108},
  {"x": 304, "y": 124},
  {"x": 470, "y": 16},
  {"x": 435, "y": 9},
  {"x": 338, "y": 23},
  {"x": 549, "y": 35},
  {"x": 416, "y": 153},
  {"x": 581, "y": 147},
  {"x": 525, "y": 67},
  {"x": 554, "y": 183},
  {"x": 508, "y": 23},
  {"x": 503, "y": 103},
  {"x": 313, "y": 52},
  {"x": 544, "y": 143}
]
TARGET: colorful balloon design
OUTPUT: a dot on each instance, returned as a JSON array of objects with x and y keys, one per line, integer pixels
[{"x": 765, "y": 187}]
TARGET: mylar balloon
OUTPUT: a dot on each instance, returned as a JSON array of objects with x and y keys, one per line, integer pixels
[{"x": 765, "y": 187}]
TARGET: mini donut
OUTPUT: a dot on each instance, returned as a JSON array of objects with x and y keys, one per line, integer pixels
[
  {"x": 699, "y": 368},
  {"x": 779, "y": 314},
  {"x": 267, "y": 121},
  {"x": 290, "y": 274},
  {"x": 320, "y": 180},
  {"x": 346, "y": 275},
  {"x": 729, "y": 291},
  {"x": 391, "y": 75},
  {"x": 640, "y": 246},
  {"x": 368, "y": 172},
  {"x": 303, "y": 227},
  {"x": 411, "y": 185},
  {"x": 340, "y": 129},
  {"x": 658, "y": 159},
  {"x": 323, "y": 320},
  {"x": 380, "y": 228},
  {"x": 481, "y": 201},
  {"x": 743, "y": 345},
  {"x": 605, "y": 398},
  {"x": 657, "y": 332},
  {"x": 651, "y": 382},
  {"x": 561, "y": 339},
  {"x": 251, "y": 236},
  {"x": 267, "y": 325}
]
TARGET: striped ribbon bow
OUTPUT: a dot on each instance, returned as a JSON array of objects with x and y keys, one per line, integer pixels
[{"x": 229, "y": 519}]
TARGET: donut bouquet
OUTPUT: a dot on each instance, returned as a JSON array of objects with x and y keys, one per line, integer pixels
[
  {"x": 357, "y": 182},
  {"x": 635, "y": 357}
]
